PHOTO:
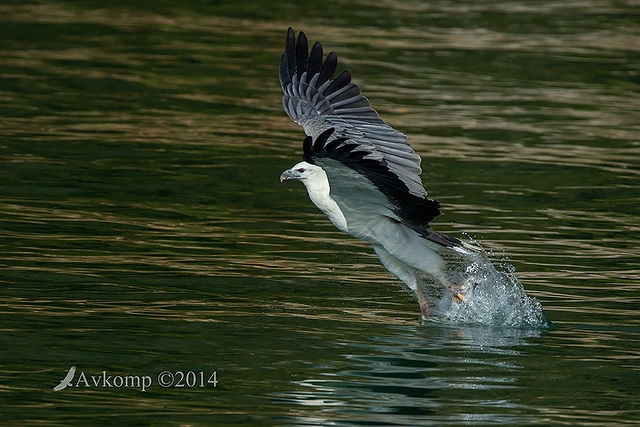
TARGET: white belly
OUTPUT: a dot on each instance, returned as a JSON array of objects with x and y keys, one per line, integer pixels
[{"x": 401, "y": 242}]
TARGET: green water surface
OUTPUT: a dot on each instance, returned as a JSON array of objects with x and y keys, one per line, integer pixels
[{"x": 143, "y": 228}]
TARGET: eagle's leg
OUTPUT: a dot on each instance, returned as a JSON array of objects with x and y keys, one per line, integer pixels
[
  {"x": 458, "y": 290},
  {"x": 409, "y": 275},
  {"x": 412, "y": 255},
  {"x": 425, "y": 308}
]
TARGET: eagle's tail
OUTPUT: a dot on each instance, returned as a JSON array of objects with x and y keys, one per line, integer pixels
[{"x": 444, "y": 240}]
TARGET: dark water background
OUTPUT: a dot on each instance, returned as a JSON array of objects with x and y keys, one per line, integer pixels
[{"x": 143, "y": 227}]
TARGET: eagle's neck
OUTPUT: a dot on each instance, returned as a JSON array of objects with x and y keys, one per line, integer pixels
[{"x": 320, "y": 194}]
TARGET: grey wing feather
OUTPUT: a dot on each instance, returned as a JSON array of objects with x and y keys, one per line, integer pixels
[{"x": 318, "y": 101}]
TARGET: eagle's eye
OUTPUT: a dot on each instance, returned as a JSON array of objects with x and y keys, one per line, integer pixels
[{"x": 300, "y": 170}]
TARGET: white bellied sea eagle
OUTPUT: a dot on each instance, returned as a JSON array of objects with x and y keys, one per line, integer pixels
[{"x": 360, "y": 171}]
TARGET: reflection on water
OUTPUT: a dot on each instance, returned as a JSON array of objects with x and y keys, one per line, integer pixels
[
  {"x": 143, "y": 227},
  {"x": 424, "y": 372}
]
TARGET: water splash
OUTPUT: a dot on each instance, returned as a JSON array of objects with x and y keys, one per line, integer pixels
[{"x": 485, "y": 295}]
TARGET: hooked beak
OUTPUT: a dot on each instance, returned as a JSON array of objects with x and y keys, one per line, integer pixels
[{"x": 286, "y": 175}]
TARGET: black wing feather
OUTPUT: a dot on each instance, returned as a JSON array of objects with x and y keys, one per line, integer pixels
[
  {"x": 302, "y": 54},
  {"x": 328, "y": 68},
  {"x": 342, "y": 80},
  {"x": 290, "y": 45},
  {"x": 315, "y": 59}
]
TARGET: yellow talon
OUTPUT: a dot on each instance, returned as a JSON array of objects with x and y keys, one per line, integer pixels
[{"x": 459, "y": 297}]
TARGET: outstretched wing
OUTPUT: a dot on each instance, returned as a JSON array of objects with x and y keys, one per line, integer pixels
[{"x": 318, "y": 101}]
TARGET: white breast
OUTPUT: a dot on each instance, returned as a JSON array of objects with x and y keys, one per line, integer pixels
[{"x": 319, "y": 193}]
